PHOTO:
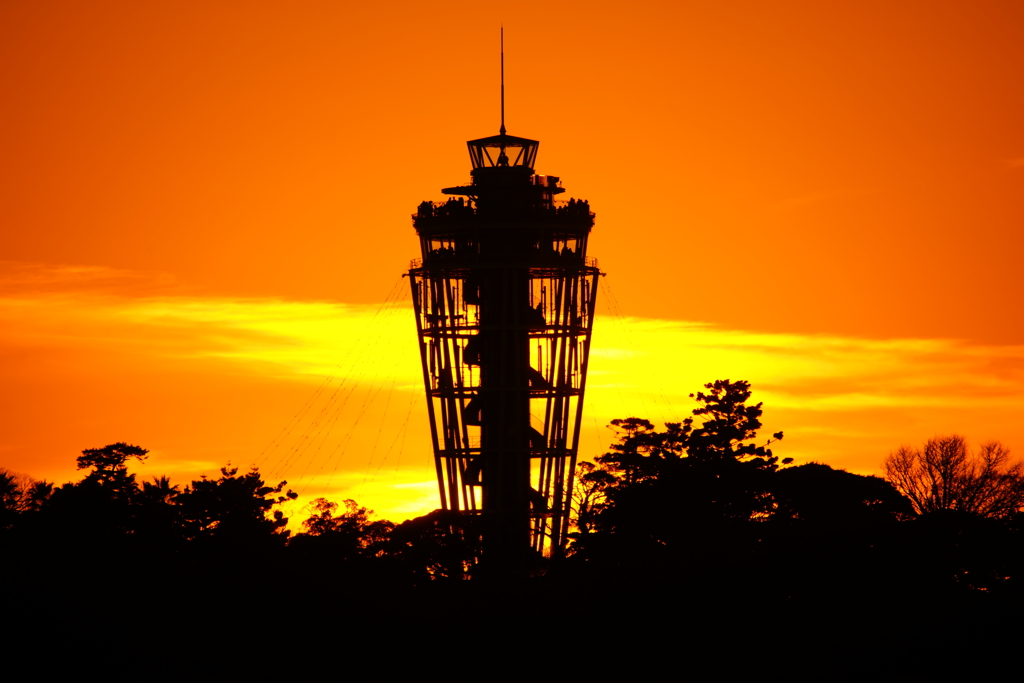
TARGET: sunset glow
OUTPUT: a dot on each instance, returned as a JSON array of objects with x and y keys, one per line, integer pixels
[{"x": 206, "y": 218}]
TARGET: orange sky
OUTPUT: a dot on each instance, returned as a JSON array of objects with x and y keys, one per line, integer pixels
[{"x": 205, "y": 213}]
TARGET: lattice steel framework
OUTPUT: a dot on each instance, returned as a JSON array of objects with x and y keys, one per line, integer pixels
[{"x": 504, "y": 297}]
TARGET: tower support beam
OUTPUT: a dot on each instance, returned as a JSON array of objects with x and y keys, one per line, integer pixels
[{"x": 504, "y": 297}]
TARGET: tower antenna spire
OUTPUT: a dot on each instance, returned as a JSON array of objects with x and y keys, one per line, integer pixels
[
  {"x": 479, "y": 291},
  {"x": 502, "y": 129}
]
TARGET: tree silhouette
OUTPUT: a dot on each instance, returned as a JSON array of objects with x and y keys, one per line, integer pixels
[
  {"x": 110, "y": 468},
  {"x": 946, "y": 475},
  {"x": 12, "y": 495},
  {"x": 589, "y": 494},
  {"x": 35, "y": 495},
  {"x": 347, "y": 535},
  {"x": 100, "y": 508},
  {"x": 439, "y": 545},
  {"x": 676, "y": 488},
  {"x": 20, "y": 493},
  {"x": 819, "y": 495},
  {"x": 231, "y": 511},
  {"x": 160, "y": 490},
  {"x": 157, "y": 515},
  {"x": 729, "y": 424}
]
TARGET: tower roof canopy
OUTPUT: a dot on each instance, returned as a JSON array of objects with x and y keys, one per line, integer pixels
[{"x": 503, "y": 151}]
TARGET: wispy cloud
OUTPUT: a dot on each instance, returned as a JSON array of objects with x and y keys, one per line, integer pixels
[
  {"x": 843, "y": 400},
  {"x": 813, "y": 371},
  {"x": 18, "y": 277},
  {"x": 329, "y": 394}
]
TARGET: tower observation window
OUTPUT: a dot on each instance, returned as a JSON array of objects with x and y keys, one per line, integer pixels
[{"x": 503, "y": 151}]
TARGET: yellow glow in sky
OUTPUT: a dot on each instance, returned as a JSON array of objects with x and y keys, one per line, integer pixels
[
  {"x": 328, "y": 396},
  {"x": 204, "y": 205}
]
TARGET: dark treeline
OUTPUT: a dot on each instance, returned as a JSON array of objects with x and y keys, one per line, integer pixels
[{"x": 691, "y": 541}]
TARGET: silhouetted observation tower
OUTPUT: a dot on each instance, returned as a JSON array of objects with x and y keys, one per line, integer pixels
[{"x": 504, "y": 297}]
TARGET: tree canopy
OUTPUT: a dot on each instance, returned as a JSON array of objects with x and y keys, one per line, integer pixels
[
  {"x": 110, "y": 467},
  {"x": 350, "y": 534},
  {"x": 946, "y": 475},
  {"x": 233, "y": 508},
  {"x": 673, "y": 488}
]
